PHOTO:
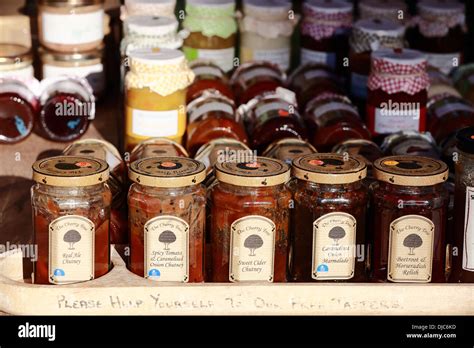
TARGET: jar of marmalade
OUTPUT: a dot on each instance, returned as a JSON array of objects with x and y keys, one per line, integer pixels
[
  {"x": 212, "y": 116},
  {"x": 410, "y": 205},
  {"x": 212, "y": 32},
  {"x": 208, "y": 77},
  {"x": 463, "y": 265},
  {"x": 250, "y": 209},
  {"x": 71, "y": 213},
  {"x": 157, "y": 147},
  {"x": 324, "y": 32},
  {"x": 156, "y": 87},
  {"x": 288, "y": 149},
  {"x": 167, "y": 216},
  {"x": 439, "y": 33},
  {"x": 397, "y": 91},
  {"x": 254, "y": 79},
  {"x": 105, "y": 151},
  {"x": 328, "y": 229}
]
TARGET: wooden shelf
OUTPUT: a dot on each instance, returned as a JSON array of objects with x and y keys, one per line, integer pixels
[{"x": 123, "y": 293}]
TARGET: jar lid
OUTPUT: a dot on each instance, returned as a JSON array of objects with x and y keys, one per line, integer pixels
[
  {"x": 400, "y": 56},
  {"x": 392, "y": 140},
  {"x": 410, "y": 170},
  {"x": 167, "y": 172},
  {"x": 70, "y": 171},
  {"x": 212, "y": 3},
  {"x": 330, "y": 168},
  {"x": 248, "y": 72},
  {"x": 288, "y": 149},
  {"x": 211, "y": 101},
  {"x": 158, "y": 142},
  {"x": 440, "y": 7},
  {"x": 465, "y": 140},
  {"x": 207, "y": 69},
  {"x": 382, "y": 5},
  {"x": 145, "y": 59},
  {"x": 266, "y": 10},
  {"x": 64, "y": 57},
  {"x": 380, "y": 27},
  {"x": 64, "y": 3},
  {"x": 262, "y": 172},
  {"x": 14, "y": 54},
  {"x": 329, "y": 6},
  {"x": 151, "y": 25},
  {"x": 362, "y": 147},
  {"x": 88, "y": 147}
]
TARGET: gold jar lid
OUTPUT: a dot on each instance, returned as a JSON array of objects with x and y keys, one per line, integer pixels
[
  {"x": 167, "y": 172},
  {"x": 65, "y": 3},
  {"x": 162, "y": 147},
  {"x": 92, "y": 148},
  {"x": 288, "y": 149},
  {"x": 262, "y": 172},
  {"x": 14, "y": 54},
  {"x": 410, "y": 170},
  {"x": 70, "y": 171},
  {"x": 330, "y": 168}
]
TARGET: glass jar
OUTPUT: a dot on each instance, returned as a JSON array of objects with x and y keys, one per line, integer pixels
[
  {"x": 16, "y": 61},
  {"x": 212, "y": 32},
  {"x": 209, "y": 77},
  {"x": 212, "y": 116},
  {"x": 89, "y": 65},
  {"x": 250, "y": 208},
  {"x": 61, "y": 24},
  {"x": 410, "y": 143},
  {"x": 311, "y": 80},
  {"x": 393, "y": 10},
  {"x": 157, "y": 147},
  {"x": 156, "y": 88},
  {"x": 287, "y": 150},
  {"x": 397, "y": 92},
  {"x": 369, "y": 35},
  {"x": 272, "y": 117},
  {"x": 324, "y": 32},
  {"x": 67, "y": 108},
  {"x": 18, "y": 111},
  {"x": 439, "y": 33},
  {"x": 265, "y": 32},
  {"x": 463, "y": 79},
  {"x": 440, "y": 84},
  {"x": 410, "y": 204},
  {"x": 463, "y": 266},
  {"x": 167, "y": 216},
  {"x": 328, "y": 233},
  {"x": 71, "y": 212},
  {"x": 254, "y": 79},
  {"x": 105, "y": 151},
  {"x": 332, "y": 118},
  {"x": 164, "y": 8}
]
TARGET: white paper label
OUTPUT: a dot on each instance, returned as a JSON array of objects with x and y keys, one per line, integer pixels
[
  {"x": 67, "y": 29},
  {"x": 280, "y": 57},
  {"x": 82, "y": 71},
  {"x": 359, "y": 85},
  {"x": 332, "y": 106},
  {"x": 468, "y": 245},
  {"x": 214, "y": 106},
  {"x": 271, "y": 106},
  {"x": 166, "y": 240},
  {"x": 308, "y": 56},
  {"x": 207, "y": 70},
  {"x": 25, "y": 73},
  {"x": 223, "y": 58},
  {"x": 390, "y": 120},
  {"x": 444, "y": 62},
  {"x": 71, "y": 249},
  {"x": 155, "y": 123}
]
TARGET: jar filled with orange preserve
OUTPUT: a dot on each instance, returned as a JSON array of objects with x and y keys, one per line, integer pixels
[
  {"x": 397, "y": 91},
  {"x": 250, "y": 209},
  {"x": 212, "y": 116},
  {"x": 328, "y": 228},
  {"x": 212, "y": 31},
  {"x": 208, "y": 77},
  {"x": 156, "y": 87},
  {"x": 167, "y": 216},
  {"x": 157, "y": 147},
  {"x": 71, "y": 203}
]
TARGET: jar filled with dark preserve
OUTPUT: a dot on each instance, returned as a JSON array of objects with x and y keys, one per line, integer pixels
[
  {"x": 250, "y": 208},
  {"x": 208, "y": 77},
  {"x": 328, "y": 229},
  {"x": 167, "y": 217},
  {"x": 463, "y": 262},
  {"x": 410, "y": 206}
]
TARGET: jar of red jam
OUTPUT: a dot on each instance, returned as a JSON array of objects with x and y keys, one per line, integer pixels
[
  {"x": 324, "y": 32},
  {"x": 105, "y": 151},
  {"x": 250, "y": 208},
  {"x": 439, "y": 32},
  {"x": 332, "y": 118},
  {"x": 208, "y": 76},
  {"x": 212, "y": 116},
  {"x": 410, "y": 143},
  {"x": 287, "y": 150},
  {"x": 463, "y": 265},
  {"x": 157, "y": 147},
  {"x": 251, "y": 80},
  {"x": 167, "y": 216},
  {"x": 394, "y": 10},
  {"x": 71, "y": 203},
  {"x": 67, "y": 108},
  {"x": 272, "y": 117},
  {"x": 397, "y": 92},
  {"x": 410, "y": 204},
  {"x": 328, "y": 229},
  {"x": 311, "y": 80},
  {"x": 463, "y": 79},
  {"x": 369, "y": 35},
  {"x": 18, "y": 111}
]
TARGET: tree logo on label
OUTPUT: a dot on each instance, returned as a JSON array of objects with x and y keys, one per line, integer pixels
[
  {"x": 167, "y": 238},
  {"x": 72, "y": 237},
  {"x": 337, "y": 233},
  {"x": 412, "y": 242},
  {"x": 253, "y": 242}
]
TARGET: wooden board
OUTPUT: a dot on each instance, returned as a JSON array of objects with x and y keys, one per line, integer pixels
[{"x": 123, "y": 293}]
